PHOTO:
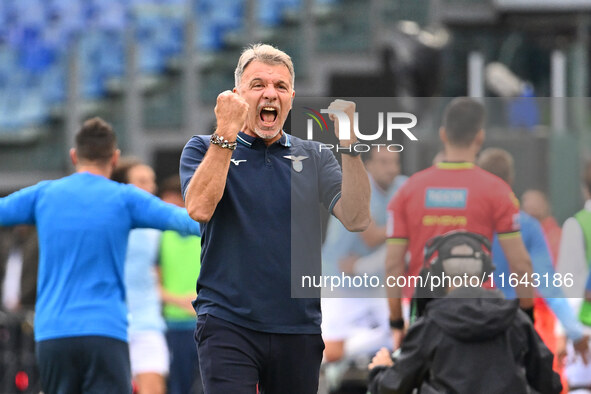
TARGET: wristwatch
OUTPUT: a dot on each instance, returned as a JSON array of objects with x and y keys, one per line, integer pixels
[
  {"x": 397, "y": 324},
  {"x": 222, "y": 142},
  {"x": 349, "y": 150}
]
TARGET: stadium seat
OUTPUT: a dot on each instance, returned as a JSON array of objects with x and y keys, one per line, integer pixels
[
  {"x": 32, "y": 109},
  {"x": 37, "y": 37},
  {"x": 146, "y": 35},
  {"x": 53, "y": 84},
  {"x": 269, "y": 12},
  {"x": 90, "y": 46},
  {"x": 68, "y": 16}
]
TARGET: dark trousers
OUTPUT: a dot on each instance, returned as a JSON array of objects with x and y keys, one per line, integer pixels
[
  {"x": 184, "y": 376},
  {"x": 236, "y": 360},
  {"x": 87, "y": 364}
]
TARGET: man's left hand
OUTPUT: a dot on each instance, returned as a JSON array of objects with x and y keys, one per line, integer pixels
[
  {"x": 348, "y": 108},
  {"x": 582, "y": 348},
  {"x": 382, "y": 358}
]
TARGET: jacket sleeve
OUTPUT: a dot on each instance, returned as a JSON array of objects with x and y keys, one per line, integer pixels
[
  {"x": 375, "y": 376},
  {"x": 410, "y": 366},
  {"x": 19, "y": 207},
  {"x": 538, "y": 361},
  {"x": 191, "y": 157},
  {"x": 148, "y": 211},
  {"x": 539, "y": 252}
]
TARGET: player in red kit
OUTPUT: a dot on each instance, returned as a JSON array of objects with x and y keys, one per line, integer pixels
[
  {"x": 452, "y": 195},
  {"x": 446, "y": 197}
]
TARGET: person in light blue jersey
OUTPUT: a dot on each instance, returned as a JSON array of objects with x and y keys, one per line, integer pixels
[
  {"x": 83, "y": 223},
  {"x": 383, "y": 168},
  {"x": 178, "y": 267},
  {"x": 500, "y": 163},
  {"x": 349, "y": 320},
  {"x": 148, "y": 351},
  {"x": 355, "y": 321}
]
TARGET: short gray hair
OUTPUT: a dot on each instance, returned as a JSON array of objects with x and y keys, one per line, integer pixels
[{"x": 263, "y": 53}]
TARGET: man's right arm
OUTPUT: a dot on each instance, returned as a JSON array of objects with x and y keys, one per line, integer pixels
[
  {"x": 520, "y": 265},
  {"x": 395, "y": 252},
  {"x": 148, "y": 211},
  {"x": 397, "y": 244},
  {"x": 206, "y": 187},
  {"x": 507, "y": 220},
  {"x": 374, "y": 235},
  {"x": 19, "y": 207}
]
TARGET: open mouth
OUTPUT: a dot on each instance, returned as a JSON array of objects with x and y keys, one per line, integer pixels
[{"x": 268, "y": 115}]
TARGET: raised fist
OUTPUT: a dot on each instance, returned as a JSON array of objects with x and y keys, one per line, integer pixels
[
  {"x": 342, "y": 113},
  {"x": 230, "y": 113}
]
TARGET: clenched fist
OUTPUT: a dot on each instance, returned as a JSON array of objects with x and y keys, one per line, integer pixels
[
  {"x": 342, "y": 113},
  {"x": 230, "y": 112}
]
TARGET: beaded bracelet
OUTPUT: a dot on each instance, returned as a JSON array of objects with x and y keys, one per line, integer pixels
[{"x": 222, "y": 142}]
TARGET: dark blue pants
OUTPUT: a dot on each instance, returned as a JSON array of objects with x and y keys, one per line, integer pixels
[
  {"x": 88, "y": 364},
  {"x": 234, "y": 359},
  {"x": 184, "y": 377}
]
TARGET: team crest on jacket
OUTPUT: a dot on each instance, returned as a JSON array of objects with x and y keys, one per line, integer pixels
[{"x": 296, "y": 162}]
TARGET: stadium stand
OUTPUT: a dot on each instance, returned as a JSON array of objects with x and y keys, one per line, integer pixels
[{"x": 36, "y": 38}]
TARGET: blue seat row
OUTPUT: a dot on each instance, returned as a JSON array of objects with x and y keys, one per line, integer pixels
[{"x": 36, "y": 37}]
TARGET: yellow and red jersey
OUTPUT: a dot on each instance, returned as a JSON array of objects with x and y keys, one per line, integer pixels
[{"x": 450, "y": 196}]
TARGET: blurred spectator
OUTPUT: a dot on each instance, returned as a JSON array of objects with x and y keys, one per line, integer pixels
[
  {"x": 452, "y": 195},
  {"x": 147, "y": 344},
  {"x": 536, "y": 204},
  {"x": 500, "y": 163},
  {"x": 575, "y": 247},
  {"x": 83, "y": 221},
  {"x": 438, "y": 158},
  {"x": 179, "y": 267},
  {"x": 357, "y": 327},
  {"x": 19, "y": 255},
  {"x": 574, "y": 259}
]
